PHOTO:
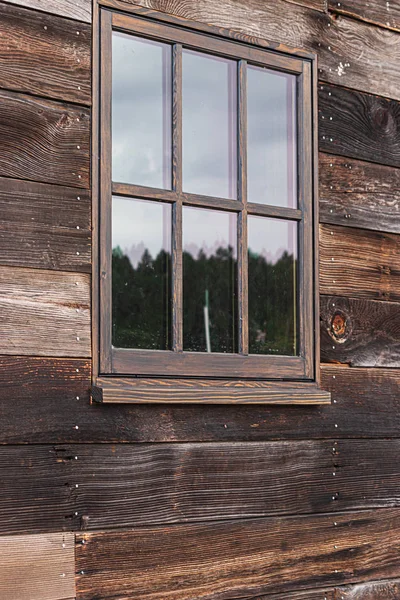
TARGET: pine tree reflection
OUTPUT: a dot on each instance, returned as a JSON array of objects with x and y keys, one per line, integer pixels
[{"x": 142, "y": 311}]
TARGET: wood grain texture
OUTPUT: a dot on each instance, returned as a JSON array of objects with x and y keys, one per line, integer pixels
[
  {"x": 53, "y": 396},
  {"x": 350, "y": 52},
  {"x": 358, "y": 125},
  {"x": 359, "y": 194},
  {"x": 321, "y": 5},
  {"x": 44, "y": 141},
  {"x": 44, "y": 313},
  {"x": 79, "y": 10},
  {"x": 37, "y": 567},
  {"x": 139, "y": 390},
  {"x": 358, "y": 263},
  {"x": 362, "y": 333},
  {"x": 371, "y": 590},
  {"x": 235, "y": 559},
  {"x": 44, "y": 226},
  {"x": 379, "y": 13},
  {"x": 39, "y": 491},
  {"x": 129, "y": 485},
  {"x": 44, "y": 55},
  {"x": 54, "y": 400}
]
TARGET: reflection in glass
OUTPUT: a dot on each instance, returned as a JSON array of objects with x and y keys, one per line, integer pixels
[
  {"x": 272, "y": 286},
  {"x": 209, "y": 281},
  {"x": 141, "y": 111},
  {"x": 271, "y": 152},
  {"x": 141, "y": 274},
  {"x": 209, "y": 125}
]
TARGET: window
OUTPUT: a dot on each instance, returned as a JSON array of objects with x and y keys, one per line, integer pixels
[{"x": 206, "y": 237}]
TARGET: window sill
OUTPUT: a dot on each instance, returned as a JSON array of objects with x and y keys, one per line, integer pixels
[{"x": 117, "y": 390}]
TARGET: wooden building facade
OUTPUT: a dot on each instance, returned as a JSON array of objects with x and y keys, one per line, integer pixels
[{"x": 200, "y": 501}]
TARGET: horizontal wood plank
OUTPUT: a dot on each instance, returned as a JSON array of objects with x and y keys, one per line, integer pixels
[
  {"x": 362, "y": 194},
  {"x": 235, "y": 559},
  {"x": 44, "y": 55},
  {"x": 54, "y": 399},
  {"x": 358, "y": 263},
  {"x": 362, "y": 333},
  {"x": 384, "y": 14},
  {"x": 37, "y": 567},
  {"x": 350, "y": 52},
  {"x": 98, "y": 486},
  {"x": 44, "y": 141},
  {"x": 44, "y": 313},
  {"x": 115, "y": 390},
  {"x": 44, "y": 226},
  {"x": 370, "y": 590},
  {"x": 79, "y": 10},
  {"x": 359, "y": 125}
]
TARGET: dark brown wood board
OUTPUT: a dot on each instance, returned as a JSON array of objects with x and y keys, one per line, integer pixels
[
  {"x": 44, "y": 55},
  {"x": 44, "y": 226},
  {"x": 383, "y": 14},
  {"x": 351, "y": 53},
  {"x": 371, "y": 590},
  {"x": 358, "y": 125},
  {"x": 79, "y": 10},
  {"x": 99, "y": 486},
  {"x": 37, "y": 567},
  {"x": 362, "y": 333},
  {"x": 44, "y": 313},
  {"x": 53, "y": 396},
  {"x": 44, "y": 141},
  {"x": 238, "y": 558},
  {"x": 359, "y": 263},
  {"x": 362, "y": 194}
]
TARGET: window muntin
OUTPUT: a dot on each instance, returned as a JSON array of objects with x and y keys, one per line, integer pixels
[{"x": 287, "y": 203}]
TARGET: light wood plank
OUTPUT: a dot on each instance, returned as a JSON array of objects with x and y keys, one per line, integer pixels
[
  {"x": 358, "y": 263},
  {"x": 37, "y": 567},
  {"x": 44, "y": 313}
]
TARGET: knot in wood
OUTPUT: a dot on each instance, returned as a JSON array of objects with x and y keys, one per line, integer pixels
[
  {"x": 340, "y": 327},
  {"x": 383, "y": 119}
]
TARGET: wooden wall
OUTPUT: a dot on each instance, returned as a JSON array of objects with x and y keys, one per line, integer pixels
[{"x": 200, "y": 502}]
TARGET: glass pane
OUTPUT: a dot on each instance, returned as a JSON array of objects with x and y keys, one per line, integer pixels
[
  {"x": 209, "y": 118},
  {"x": 141, "y": 274},
  {"x": 272, "y": 286},
  {"x": 141, "y": 111},
  {"x": 209, "y": 281},
  {"x": 271, "y": 152}
]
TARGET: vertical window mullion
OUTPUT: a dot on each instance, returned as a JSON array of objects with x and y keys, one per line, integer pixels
[
  {"x": 177, "y": 304},
  {"x": 242, "y": 217}
]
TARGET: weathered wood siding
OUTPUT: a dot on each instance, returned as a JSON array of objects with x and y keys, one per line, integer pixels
[{"x": 198, "y": 502}]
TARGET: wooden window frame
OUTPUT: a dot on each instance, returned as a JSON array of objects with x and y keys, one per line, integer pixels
[{"x": 178, "y": 376}]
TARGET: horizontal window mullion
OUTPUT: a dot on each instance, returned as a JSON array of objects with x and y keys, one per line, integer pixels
[
  {"x": 157, "y": 194},
  {"x": 211, "y": 202},
  {"x": 280, "y": 212},
  {"x": 147, "y": 193}
]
